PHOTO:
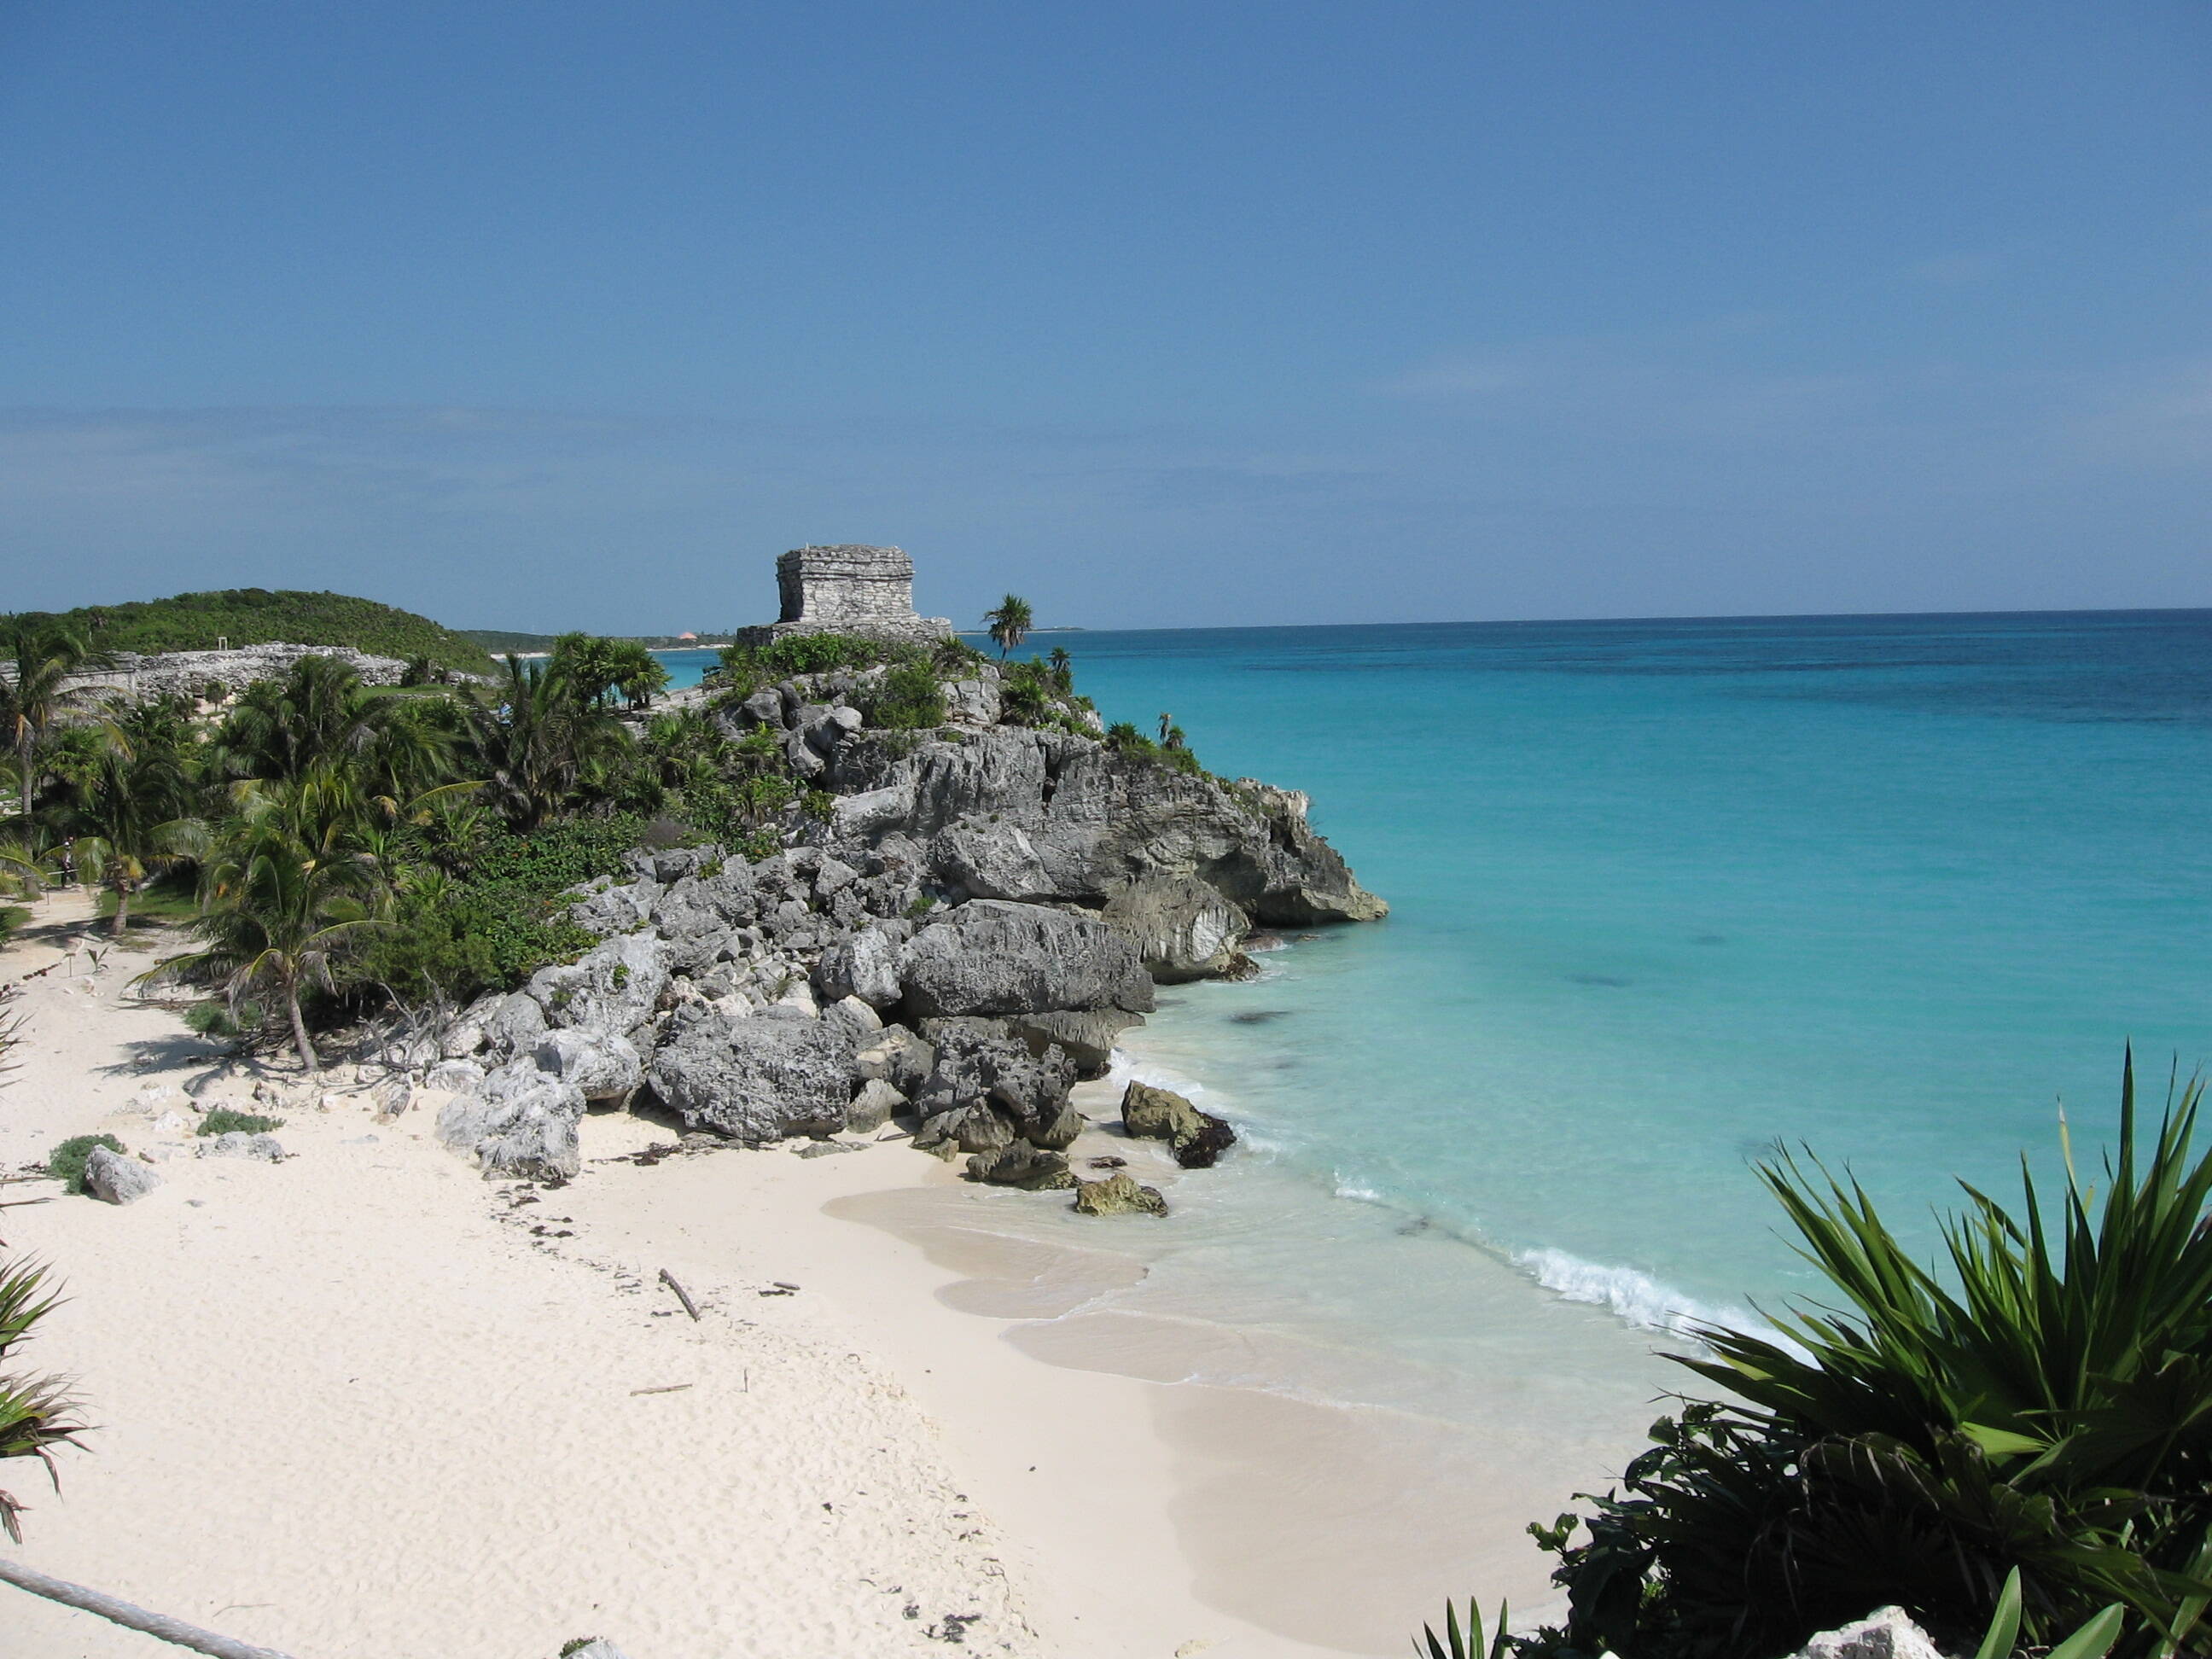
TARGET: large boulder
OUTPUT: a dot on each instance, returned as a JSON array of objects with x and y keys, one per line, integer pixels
[
  {"x": 1086, "y": 1037},
  {"x": 993, "y": 958},
  {"x": 258, "y": 1149},
  {"x": 521, "y": 1124},
  {"x": 611, "y": 987},
  {"x": 756, "y": 1077},
  {"x": 864, "y": 965},
  {"x": 515, "y": 1023},
  {"x": 114, "y": 1179},
  {"x": 1017, "y": 1164},
  {"x": 600, "y": 1064},
  {"x": 982, "y": 1061},
  {"x": 1198, "y": 1138},
  {"x": 1182, "y": 928}
]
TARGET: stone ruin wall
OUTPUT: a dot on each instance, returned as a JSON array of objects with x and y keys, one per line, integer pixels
[{"x": 849, "y": 589}]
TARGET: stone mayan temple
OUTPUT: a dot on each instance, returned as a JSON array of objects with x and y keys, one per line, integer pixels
[{"x": 849, "y": 589}]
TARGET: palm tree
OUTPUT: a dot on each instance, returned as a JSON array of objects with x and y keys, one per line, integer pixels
[
  {"x": 1063, "y": 667},
  {"x": 287, "y": 889},
  {"x": 35, "y": 690},
  {"x": 1009, "y": 624},
  {"x": 539, "y": 745},
  {"x": 133, "y": 816},
  {"x": 638, "y": 673},
  {"x": 320, "y": 714}
]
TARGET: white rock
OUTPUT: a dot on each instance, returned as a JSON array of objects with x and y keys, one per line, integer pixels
[
  {"x": 114, "y": 1179},
  {"x": 1886, "y": 1633}
]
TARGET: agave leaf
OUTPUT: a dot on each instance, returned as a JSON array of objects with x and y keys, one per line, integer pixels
[
  {"x": 2004, "y": 1626},
  {"x": 2094, "y": 1639}
]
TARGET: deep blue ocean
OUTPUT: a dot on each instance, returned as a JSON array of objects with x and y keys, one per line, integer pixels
[{"x": 1667, "y": 895}]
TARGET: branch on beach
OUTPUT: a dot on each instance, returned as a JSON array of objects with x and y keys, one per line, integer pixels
[{"x": 118, "y": 1612}]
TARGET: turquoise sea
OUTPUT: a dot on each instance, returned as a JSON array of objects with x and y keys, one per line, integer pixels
[{"x": 1665, "y": 895}]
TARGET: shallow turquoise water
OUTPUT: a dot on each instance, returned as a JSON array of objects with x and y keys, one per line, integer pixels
[{"x": 1666, "y": 893}]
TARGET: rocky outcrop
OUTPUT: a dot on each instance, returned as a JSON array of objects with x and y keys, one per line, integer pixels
[
  {"x": 756, "y": 1077},
  {"x": 1042, "y": 816},
  {"x": 1118, "y": 1194},
  {"x": 1182, "y": 928},
  {"x": 258, "y": 1149},
  {"x": 1198, "y": 1138},
  {"x": 994, "y": 958},
  {"x": 114, "y": 1179}
]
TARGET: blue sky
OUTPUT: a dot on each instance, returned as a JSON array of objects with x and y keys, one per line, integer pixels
[{"x": 561, "y": 315}]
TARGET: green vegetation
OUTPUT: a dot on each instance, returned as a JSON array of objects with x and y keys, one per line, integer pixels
[
  {"x": 222, "y": 1121},
  {"x": 331, "y": 846},
  {"x": 256, "y": 615},
  {"x": 1174, "y": 753},
  {"x": 2040, "y": 1405},
  {"x": 65, "y": 1163},
  {"x": 36, "y": 1412}
]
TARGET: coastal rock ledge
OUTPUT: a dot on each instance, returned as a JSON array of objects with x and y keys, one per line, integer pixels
[{"x": 958, "y": 940}]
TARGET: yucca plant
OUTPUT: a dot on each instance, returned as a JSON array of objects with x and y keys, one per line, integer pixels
[
  {"x": 36, "y": 1412},
  {"x": 1464, "y": 1645},
  {"x": 2041, "y": 1404}
]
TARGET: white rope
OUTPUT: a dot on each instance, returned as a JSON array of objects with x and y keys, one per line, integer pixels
[{"x": 122, "y": 1613}]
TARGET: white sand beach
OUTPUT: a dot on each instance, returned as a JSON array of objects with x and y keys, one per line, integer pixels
[{"x": 362, "y": 1403}]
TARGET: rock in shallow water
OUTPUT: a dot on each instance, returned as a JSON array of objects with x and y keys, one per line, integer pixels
[
  {"x": 1118, "y": 1194},
  {"x": 1198, "y": 1138}
]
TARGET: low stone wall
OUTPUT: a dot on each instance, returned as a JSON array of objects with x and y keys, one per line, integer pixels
[{"x": 188, "y": 672}]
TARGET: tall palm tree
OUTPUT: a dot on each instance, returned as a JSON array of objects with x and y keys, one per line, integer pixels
[
  {"x": 133, "y": 816},
  {"x": 1009, "y": 624},
  {"x": 286, "y": 890},
  {"x": 43, "y": 657},
  {"x": 638, "y": 673},
  {"x": 1063, "y": 667}
]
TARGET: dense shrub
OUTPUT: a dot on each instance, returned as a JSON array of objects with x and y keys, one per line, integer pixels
[
  {"x": 502, "y": 919},
  {"x": 224, "y": 1121},
  {"x": 65, "y": 1163},
  {"x": 909, "y": 699}
]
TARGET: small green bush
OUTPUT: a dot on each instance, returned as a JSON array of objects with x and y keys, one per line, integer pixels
[
  {"x": 908, "y": 700},
  {"x": 65, "y": 1163},
  {"x": 224, "y": 1121}
]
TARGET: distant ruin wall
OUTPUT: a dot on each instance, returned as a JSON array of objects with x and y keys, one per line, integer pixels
[{"x": 193, "y": 672}]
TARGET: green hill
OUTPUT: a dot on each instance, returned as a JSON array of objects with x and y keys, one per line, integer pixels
[
  {"x": 257, "y": 616},
  {"x": 500, "y": 640}
]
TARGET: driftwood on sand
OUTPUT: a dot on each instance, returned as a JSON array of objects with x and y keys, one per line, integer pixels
[{"x": 122, "y": 1613}]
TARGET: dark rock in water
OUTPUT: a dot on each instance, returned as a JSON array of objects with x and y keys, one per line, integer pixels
[
  {"x": 1199, "y": 1138},
  {"x": 1020, "y": 1164},
  {"x": 1258, "y": 1016},
  {"x": 1118, "y": 1194},
  {"x": 1110, "y": 1163},
  {"x": 1612, "y": 980}
]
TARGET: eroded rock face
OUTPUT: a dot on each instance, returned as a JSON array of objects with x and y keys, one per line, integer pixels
[
  {"x": 611, "y": 987},
  {"x": 599, "y": 1065},
  {"x": 1181, "y": 927},
  {"x": 993, "y": 958},
  {"x": 759, "y": 1077},
  {"x": 1086, "y": 1037},
  {"x": 114, "y": 1179},
  {"x": 1118, "y": 1194}
]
